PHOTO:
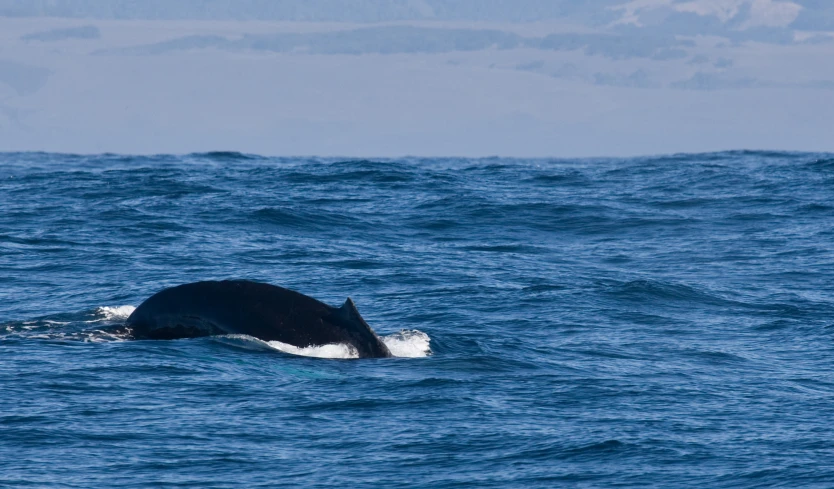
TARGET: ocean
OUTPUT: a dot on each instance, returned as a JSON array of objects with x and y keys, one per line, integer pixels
[{"x": 641, "y": 322}]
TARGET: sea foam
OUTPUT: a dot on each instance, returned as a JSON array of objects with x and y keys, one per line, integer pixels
[
  {"x": 113, "y": 313},
  {"x": 333, "y": 350},
  {"x": 408, "y": 343},
  {"x": 404, "y": 344}
]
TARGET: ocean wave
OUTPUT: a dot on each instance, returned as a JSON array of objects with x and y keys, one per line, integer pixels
[
  {"x": 593, "y": 322},
  {"x": 224, "y": 156}
]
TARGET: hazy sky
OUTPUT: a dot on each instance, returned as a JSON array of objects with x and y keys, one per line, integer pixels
[{"x": 416, "y": 77}]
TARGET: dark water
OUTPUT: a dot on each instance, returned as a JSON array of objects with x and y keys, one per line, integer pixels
[{"x": 662, "y": 322}]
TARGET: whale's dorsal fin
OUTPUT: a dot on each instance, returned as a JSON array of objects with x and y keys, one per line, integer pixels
[
  {"x": 348, "y": 310},
  {"x": 363, "y": 336},
  {"x": 350, "y": 315}
]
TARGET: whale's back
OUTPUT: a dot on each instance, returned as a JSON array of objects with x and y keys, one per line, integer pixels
[{"x": 265, "y": 311}]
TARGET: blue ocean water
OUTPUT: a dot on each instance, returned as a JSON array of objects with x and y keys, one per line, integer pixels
[{"x": 646, "y": 322}]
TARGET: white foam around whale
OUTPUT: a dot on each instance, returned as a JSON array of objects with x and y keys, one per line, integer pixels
[
  {"x": 334, "y": 350},
  {"x": 408, "y": 343},
  {"x": 405, "y": 344},
  {"x": 113, "y": 313}
]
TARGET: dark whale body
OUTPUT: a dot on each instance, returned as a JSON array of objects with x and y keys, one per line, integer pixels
[{"x": 265, "y": 311}]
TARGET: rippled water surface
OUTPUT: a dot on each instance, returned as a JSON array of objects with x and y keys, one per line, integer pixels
[{"x": 662, "y": 322}]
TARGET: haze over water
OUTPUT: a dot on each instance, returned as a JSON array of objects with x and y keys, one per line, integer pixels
[
  {"x": 662, "y": 321},
  {"x": 469, "y": 78}
]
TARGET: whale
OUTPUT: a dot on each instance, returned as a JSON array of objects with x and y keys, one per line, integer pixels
[{"x": 265, "y": 311}]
